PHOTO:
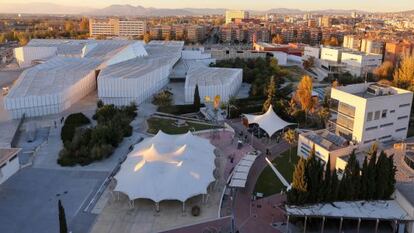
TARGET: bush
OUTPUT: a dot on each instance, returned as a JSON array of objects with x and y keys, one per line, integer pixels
[
  {"x": 72, "y": 122},
  {"x": 178, "y": 109},
  {"x": 163, "y": 98},
  {"x": 195, "y": 211},
  {"x": 85, "y": 145}
]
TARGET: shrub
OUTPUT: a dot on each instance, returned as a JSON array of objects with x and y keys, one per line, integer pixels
[
  {"x": 178, "y": 109},
  {"x": 163, "y": 98},
  {"x": 86, "y": 145},
  {"x": 195, "y": 211},
  {"x": 72, "y": 122}
]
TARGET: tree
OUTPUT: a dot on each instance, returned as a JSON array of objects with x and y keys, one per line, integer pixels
[
  {"x": 324, "y": 115},
  {"x": 404, "y": 74},
  {"x": 278, "y": 39},
  {"x": 350, "y": 183},
  {"x": 298, "y": 192},
  {"x": 384, "y": 71},
  {"x": 372, "y": 173},
  {"x": 62, "y": 219},
  {"x": 364, "y": 180},
  {"x": 333, "y": 41},
  {"x": 290, "y": 137},
  {"x": 271, "y": 92},
  {"x": 304, "y": 95},
  {"x": 147, "y": 38},
  {"x": 84, "y": 24},
  {"x": 197, "y": 101},
  {"x": 69, "y": 26},
  {"x": 309, "y": 63},
  {"x": 314, "y": 176}
]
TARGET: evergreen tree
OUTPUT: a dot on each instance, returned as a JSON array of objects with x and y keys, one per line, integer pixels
[
  {"x": 271, "y": 92},
  {"x": 371, "y": 175},
  {"x": 383, "y": 174},
  {"x": 363, "y": 195},
  {"x": 197, "y": 101},
  {"x": 391, "y": 170},
  {"x": 333, "y": 192},
  {"x": 62, "y": 219},
  {"x": 350, "y": 183},
  {"x": 314, "y": 176},
  {"x": 327, "y": 182}
]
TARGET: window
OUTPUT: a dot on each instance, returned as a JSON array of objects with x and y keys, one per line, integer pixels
[
  {"x": 377, "y": 115},
  {"x": 371, "y": 128},
  {"x": 401, "y": 129},
  {"x": 392, "y": 111},
  {"x": 402, "y": 117},
  {"x": 385, "y": 137},
  {"x": 404, "y": 105},
  {"x": 386, "y": 125},
  {"x": 369, "y": 117},
  {"x": 384, "y": 114}
]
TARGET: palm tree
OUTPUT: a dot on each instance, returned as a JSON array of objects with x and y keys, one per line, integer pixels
[{"x": 290, "y": 137}]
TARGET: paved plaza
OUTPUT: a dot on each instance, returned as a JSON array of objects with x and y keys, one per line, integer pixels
[{"x": 28, "y": 200}]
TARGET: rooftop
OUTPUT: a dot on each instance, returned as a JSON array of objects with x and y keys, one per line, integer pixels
[
  {"x": 206, "y": 76},
  {"x": 371, "y": 90},
  {"x": 327, "y": 140},
  {"x": 7, "y": 153}
]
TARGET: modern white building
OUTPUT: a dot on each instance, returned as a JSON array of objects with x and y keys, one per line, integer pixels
[
  {"x": 332, "y": 54},
  {"x": 125, "y": 71},
  {"x": 223, "y": 82},
  {"x": 310, "y": 51},
  {"x": 9, "y": 163},
  {"x": 137, "y": 79},
  {"x": 361, "y": 115},
  {"x": 360, "y": 64},
  {"x": 370, "y": 112}
]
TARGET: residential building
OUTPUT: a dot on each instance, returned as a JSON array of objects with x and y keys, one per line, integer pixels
[
  {"x": 352, "y": 42},
  {"x": 394, "y": 51},
  {"x": 372, "y": 46},
  {"x": 231, "y": 15},
  {"x": 116, "y": 27},
  {"x": 196, "y": 33}
]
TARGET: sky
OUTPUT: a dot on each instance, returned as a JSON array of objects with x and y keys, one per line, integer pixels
[{"x": 369, "y": 5}]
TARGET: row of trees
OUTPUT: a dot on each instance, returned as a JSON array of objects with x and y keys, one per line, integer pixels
[
  {"x": 96, "y": 143},
  {"x": 257, "y": 72},
  {"x": 314, "y": 183}
]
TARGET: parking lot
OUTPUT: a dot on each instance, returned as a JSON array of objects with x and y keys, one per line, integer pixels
[{"x": 28, "y": 200}]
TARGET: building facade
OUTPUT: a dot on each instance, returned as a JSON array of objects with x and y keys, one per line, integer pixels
[
  {"x": 116, "y": 27},
  {"x": 231, "y": 15}
]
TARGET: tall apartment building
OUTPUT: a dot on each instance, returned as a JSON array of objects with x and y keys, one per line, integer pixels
[
  {"x": 196, "y": 33},
  {"x": 361, "y": 115},
  {"x": 116, "y": 27},
  {"x": 372, "y": 46},
  {"x": 352, "y": 42},
  {"x": 155, "y": 32},
  {"x": 231, "y": 15},
  {"x": 325, "y": 21},
  {"x": 394, "y": 51}
]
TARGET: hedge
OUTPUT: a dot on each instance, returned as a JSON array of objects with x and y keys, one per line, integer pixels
[{"x": 179, "y": 109}]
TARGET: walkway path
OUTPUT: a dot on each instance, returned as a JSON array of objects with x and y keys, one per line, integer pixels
[{"x": 257, "y": 216}]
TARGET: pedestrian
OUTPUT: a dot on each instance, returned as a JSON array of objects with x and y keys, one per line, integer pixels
[{"x": 55, "y": 124}]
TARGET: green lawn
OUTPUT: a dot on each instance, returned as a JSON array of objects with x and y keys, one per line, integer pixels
[
  {"x": 268, "y": 183},
  {"x": 167, "y": 126}
]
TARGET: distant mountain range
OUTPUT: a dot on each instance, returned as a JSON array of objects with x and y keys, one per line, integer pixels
[{"x": 129, "y": 10}]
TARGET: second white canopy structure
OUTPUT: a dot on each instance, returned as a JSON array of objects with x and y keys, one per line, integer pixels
[
  {"x": 269, "y": 121},
  {"x": 167, "y": 167}
]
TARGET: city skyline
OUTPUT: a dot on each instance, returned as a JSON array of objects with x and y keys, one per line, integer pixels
[{"x": 373, "y": 5}]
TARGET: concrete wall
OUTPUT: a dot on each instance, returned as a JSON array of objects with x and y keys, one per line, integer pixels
[
  {"x": 331, "y": 54},
  {"x": 25, "y": 55},
  {"x": 9, "y": 169}
]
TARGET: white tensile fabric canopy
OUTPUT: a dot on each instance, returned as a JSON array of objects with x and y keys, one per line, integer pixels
[
  {"x": 269, "y": 122},
  {"x": 167, "y": 167}
]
